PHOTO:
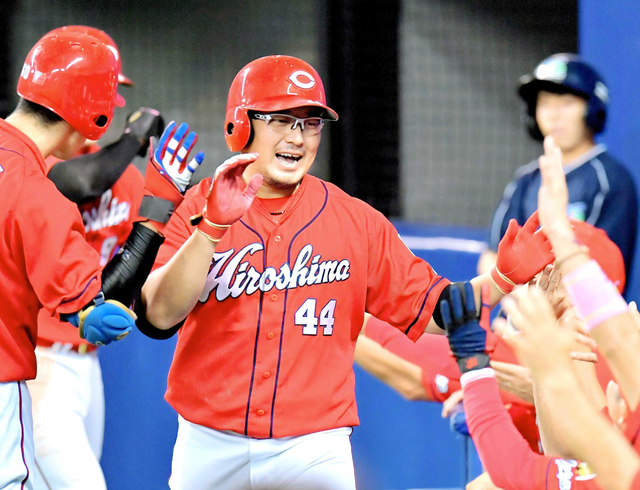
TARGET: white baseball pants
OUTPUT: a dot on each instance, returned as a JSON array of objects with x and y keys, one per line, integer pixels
[
  {"x": 16, "y": 437},
  {"x": 68, "y": 416},
  {"x": 207, "y": 459}
]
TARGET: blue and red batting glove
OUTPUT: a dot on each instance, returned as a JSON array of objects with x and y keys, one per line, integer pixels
[{"x": 470, "y": 337}]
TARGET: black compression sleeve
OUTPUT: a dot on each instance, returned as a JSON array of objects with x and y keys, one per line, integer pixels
[
  {"x": 89, "y": 176},
  {"x": 124, "y": 275}
]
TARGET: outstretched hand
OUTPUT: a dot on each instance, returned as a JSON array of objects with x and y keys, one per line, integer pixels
[
  {"x": 539, "y": 341},
  {"x": 553, "y": 196},
  {"x": 470, "y": 339},
  {"x": 522, "y": 253},
  {"x": 168, "y": 175},
  {"x": 229, "y": 198},
  {"x": 172, "y": 152}
]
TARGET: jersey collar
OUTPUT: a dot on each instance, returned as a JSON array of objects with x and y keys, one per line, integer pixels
[
  {"x": 28, "y": 142},
  {"x": 584, "y": 158}
]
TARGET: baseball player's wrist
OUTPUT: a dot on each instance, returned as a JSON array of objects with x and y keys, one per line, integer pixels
[
  {"x": 473, "y": 362},
  {"x": 501, "y": 281}
]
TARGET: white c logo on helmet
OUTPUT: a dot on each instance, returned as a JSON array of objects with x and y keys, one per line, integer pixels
[{"x": 295, "y": 79}]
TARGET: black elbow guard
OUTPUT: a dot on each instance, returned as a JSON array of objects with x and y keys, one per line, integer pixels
[
  {"x": 124, "y": 275},
  {"x": 149, "y": 329}
]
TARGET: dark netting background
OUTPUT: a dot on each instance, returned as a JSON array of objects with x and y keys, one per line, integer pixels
[
  {"x": 183, "y": 56},
  {"x": 460, "y": 131},
  {"x": 430, "y": 123}
]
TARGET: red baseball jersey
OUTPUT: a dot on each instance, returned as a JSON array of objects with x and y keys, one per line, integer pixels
[
  {"x": 44, "y": 259},
  {"x": 268, "y": 350},
  {"x": 511, "y": 463},
  {"x": 107, "y": 222}
]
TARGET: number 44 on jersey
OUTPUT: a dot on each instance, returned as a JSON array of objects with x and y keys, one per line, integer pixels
[{"x": 306, "y": 316}]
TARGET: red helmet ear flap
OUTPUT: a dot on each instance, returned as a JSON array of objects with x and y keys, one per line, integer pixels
[{"x": 237, "y": 128}]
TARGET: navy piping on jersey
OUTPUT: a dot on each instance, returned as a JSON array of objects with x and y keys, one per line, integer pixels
[
  {"x": 12, "y": 151},
  {"x": 284, "y": 313},
  {"x": 94, "y": 278},
  {"x": 598, "y": 201},
  {"x": 546, "y": 477},
  {"x": 424, "y": 302},
  {"x": 255, "y": 347}
]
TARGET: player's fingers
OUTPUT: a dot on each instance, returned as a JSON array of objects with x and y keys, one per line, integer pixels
[
  {"x": 445, "y": 313},
  {"x": 543, "y": 279},
  {"x": 532, "y": 223},
  {"x": 227, "y": 165},
  {"x": 184, "y": 150},
  {"x": 195, "y": 162},
  {"x": 164, "y": 139},
  {"x": 469, "y": 301},
  {"x": 512, "y": 309},
  {"x": 512, "y": 231},
  {"x": 174, "y": 144},
  {"x": 554, "y": 279},
  {"x": 584, "y": 356},
  {"x": 456, "y": 305},
  {"x": 253, "y": 186},
  {"x": 507, "y": 333},
  {"x": 585, "y": 340}
]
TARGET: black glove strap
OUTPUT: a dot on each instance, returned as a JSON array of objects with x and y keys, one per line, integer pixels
[
  {"x": 477, "y": 361},
  {"x": 156, "y": 209}
]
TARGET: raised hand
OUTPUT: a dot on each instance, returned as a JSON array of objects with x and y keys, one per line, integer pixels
[
  {"x": 172, "y": 151},
  {"x": 470, "y": 339},
  {"x": 522, "y": 253},
  {"x": 539, "y": 341},
  {"x": 168, "y": 176},
  {"x": 553, "y": 195},
  {"x": 228, "y": 198},
  {"x": 144, "y": 124}
]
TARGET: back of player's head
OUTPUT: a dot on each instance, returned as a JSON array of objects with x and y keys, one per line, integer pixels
[
  {"x": 75, "y": 76},
  {"x": 269, "y": 84},
  {"x": 565, "y": 73},
  {"x": 603, "y": 251},
  {"x": 107, "y": 40}
]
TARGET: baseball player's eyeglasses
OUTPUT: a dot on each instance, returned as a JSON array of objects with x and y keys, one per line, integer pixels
[{"x": 285, "y": 124}]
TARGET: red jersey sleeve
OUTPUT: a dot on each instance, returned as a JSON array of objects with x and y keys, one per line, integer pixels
[
  {"x": 63, "y": 270},
  {"x": 178, "y": 230},
  {"x": 504, "y": 452},
  {"x": 402, "y": 289},
  {"x": 635, "y": 485}
]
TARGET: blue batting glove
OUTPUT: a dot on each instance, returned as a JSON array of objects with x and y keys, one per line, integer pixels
[{"x": 467, "y": 338}]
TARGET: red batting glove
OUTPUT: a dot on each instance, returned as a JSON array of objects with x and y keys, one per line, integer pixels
[
  {"x": 228, "y": 198},
  {"x": 522, "y": 253}
]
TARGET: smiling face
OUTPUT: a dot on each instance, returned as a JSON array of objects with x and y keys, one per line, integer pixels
[{"x": 283, "y": 159}]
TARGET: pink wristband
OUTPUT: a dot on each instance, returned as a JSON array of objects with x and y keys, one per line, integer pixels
[{"x": 593, "y": 295}]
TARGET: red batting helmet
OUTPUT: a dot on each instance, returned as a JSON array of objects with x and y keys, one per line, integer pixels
[
  {"x": 272, "y": 83},
  {"x": 111, "y": 44},
  {"x": 603, "y": 251},
  {"x": 75, "y": 76}
]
